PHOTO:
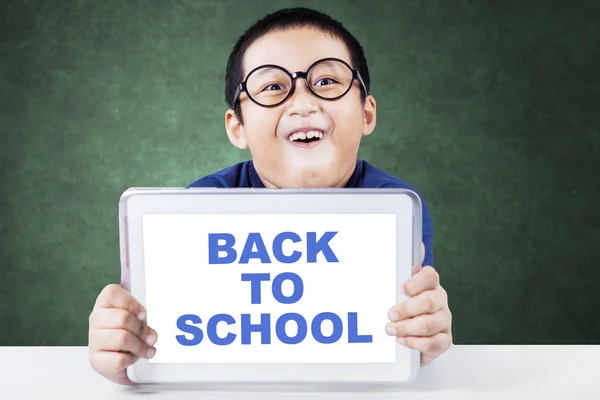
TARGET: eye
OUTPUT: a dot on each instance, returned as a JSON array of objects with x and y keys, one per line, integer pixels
[
  {"x": 325, "y": 81},
  {"x": 274, "y": 86}
]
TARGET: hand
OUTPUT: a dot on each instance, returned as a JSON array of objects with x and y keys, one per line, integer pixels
[
  {"x": 423, "y": 322},
  {"x": 118, "y": 337}
]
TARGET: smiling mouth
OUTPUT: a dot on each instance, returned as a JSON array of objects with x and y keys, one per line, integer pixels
[{"x": 303, "y": 138}]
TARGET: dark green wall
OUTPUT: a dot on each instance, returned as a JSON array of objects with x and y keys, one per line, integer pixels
[{"x": 491, "y": 110}]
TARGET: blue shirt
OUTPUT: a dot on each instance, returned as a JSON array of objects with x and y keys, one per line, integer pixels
[{"x": 243, "y": 175}]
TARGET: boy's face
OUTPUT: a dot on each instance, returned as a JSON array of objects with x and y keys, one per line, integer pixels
[{"x": 279, "y": 161}]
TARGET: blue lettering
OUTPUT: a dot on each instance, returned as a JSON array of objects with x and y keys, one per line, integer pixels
[
  {"x": 211, "y": 329},
  {"x": 353, "y": 336},
  {"x": 278, "y": 247},
  {"x": 316, "y": 325},
  {"x": 254, "y": 248},
  {"x": 214, "y": 248},
  {"x": 264, "y": 328},
  {"x": 182, "y": 324},
  {"x": 255, "y": 280},
  {"x": 278, "y": 282},
  {"x": 186, "y": 324},
  {"x": 300, "y": 323},
  {"x": 314, "y": 247},
  {"x": 260, "y": 253}
]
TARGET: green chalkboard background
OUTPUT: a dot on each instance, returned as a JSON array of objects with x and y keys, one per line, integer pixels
[{"x": 490, "y": 109}]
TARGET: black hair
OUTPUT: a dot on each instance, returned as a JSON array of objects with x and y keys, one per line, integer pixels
[{"x": 284, "y": 19}]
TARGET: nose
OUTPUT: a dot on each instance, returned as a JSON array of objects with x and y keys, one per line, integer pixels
[{"x": 302, "y": 102}]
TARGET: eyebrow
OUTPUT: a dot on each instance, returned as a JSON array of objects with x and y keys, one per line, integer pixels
[{"x": 263, "y": 71}]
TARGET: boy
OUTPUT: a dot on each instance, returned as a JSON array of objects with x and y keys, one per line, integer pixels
[{"x": 302, "y": 131}]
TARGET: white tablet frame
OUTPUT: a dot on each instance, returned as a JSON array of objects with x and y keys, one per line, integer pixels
[{"x": 135, "y": 202}]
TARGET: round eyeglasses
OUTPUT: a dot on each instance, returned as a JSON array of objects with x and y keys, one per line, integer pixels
[{"x": 271, "y": 85}]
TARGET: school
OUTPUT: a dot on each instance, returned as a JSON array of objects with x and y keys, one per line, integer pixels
[{"x": 189, "y": 324}]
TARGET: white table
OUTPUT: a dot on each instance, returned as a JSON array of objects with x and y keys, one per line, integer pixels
[{"x": 464, "y": 372}]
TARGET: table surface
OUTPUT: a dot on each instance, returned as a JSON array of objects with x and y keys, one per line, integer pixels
[{"x": 463, "y": 372}]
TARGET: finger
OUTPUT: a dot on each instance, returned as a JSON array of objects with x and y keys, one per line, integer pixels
[
  {"x": 430, "y": 347},
  {"x": 107, "y": 362},
  {"x": 427, "y": 302},
  {"x": 115, "y": 296},
  {"x": 122, "y": 340},
  {"x": 116, "y": 318},
  {"x": 422, "y": 253},
  {"x": 422, "y": 325},
  {"x": 425, "y": 279}
]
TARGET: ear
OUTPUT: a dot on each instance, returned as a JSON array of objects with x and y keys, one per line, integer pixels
[
  {"x": 370, "y": 115},
  {"x": 235, "y": 130}
]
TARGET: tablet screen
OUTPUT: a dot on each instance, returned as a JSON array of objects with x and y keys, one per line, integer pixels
[{"x": 272, "y": 288}]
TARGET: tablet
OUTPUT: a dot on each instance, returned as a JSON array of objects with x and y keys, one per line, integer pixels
[{"x": 270, "y": 285}]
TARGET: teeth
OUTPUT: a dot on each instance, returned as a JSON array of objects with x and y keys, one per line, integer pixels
[{"x": 307, "y": 135}]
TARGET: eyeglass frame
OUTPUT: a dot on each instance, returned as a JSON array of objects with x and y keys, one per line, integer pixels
[{"x": 298, "y": 74}]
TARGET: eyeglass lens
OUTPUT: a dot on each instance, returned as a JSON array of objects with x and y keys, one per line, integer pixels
[{"x": 328, "y": 79}]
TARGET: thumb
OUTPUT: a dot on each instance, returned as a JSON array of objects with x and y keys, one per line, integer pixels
[{"x": 115, "y": 296}]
